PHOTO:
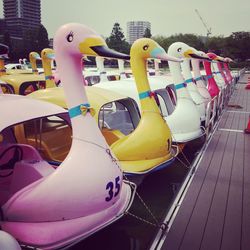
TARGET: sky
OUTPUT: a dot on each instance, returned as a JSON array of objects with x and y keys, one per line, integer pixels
[{"x": 167, "y": 17}]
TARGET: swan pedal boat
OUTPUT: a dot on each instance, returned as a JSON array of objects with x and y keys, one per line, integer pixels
[
  {"x": 149, "y": 146},
  {"x": 117, "y": 117},
  {"x": 23, "y": 84},
  {"x": 22, "y": 168},
  {"x": 36, "y": 210}
]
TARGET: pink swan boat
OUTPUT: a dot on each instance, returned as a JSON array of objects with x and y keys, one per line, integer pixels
[
  {"x": 51, "y": 208},
  {"x": 212, "y": 86}
]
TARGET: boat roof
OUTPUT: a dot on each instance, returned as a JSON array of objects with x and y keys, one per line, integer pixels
[
  {"x": 128, "y": 86},
  {"x": 97, "y": 96},
  {"x": 15, "y": 109},
  {"x": 20, "y": 78},
  {"x": 11, "y": 65}
]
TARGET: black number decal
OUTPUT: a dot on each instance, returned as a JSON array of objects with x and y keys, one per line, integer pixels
[
  {"x": 117, "y": 185},
  {"x": 110, "y": 188}
]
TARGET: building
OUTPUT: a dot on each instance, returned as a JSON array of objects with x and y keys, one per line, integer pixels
[
  {"x": 21, "y": 15},
  {"x": 136, "y": 29}
]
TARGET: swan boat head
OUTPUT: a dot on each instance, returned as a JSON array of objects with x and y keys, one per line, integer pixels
[
  {"x": 48, "y": 56},
  {"x": 34, "y": 56},
  {"x": 137, "y": 155}
]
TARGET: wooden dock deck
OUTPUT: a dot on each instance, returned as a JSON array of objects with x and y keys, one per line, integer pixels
[{"x": 215, "y": 211}]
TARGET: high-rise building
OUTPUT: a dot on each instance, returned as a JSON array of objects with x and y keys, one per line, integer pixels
[
  {"x": 136, "y": 29},
  {"x": 21, "y": 15}
]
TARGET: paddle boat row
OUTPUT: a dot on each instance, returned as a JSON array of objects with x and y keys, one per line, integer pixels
[{"x": 29, "y": 155}]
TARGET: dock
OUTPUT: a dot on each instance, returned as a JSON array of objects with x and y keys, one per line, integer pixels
[{"x": 212, "y": 211}]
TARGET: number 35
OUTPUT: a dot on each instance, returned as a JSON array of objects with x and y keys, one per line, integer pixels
[{"x": 111, "y": 186}]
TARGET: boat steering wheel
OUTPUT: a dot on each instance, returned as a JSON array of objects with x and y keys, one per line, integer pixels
[{"x": 17, "y": 156}]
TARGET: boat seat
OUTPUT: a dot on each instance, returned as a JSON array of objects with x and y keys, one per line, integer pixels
[
  {"x": 28, "y": 168},
  {"x": 27, "y": 172}
]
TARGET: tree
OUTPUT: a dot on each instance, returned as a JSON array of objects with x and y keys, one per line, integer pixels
[
  {"x": 147, "y": 33},
  {"x": 35, "y": 39},
  {"x": 117, "y": 40},
  {"x": 237, "y": 45},
  {"x": 190, "y": 39},
  {"x": 42, "y": 38}
]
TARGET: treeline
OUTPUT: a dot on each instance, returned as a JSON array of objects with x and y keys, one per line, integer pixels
[
  {"x": 35, "y": 39},
  {"x": 235, "y": 46}
]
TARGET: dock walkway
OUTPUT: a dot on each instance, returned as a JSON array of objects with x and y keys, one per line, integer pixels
[{"x": 215, "y": 211}]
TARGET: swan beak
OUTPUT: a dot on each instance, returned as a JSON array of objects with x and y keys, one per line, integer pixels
[
  {"x": 96, "y": 46},
  {"x": 37, "y": 57},
  {"x": 230, "y": 60},
  {"x": 192, "y": 54},
  {"x": 85, "y": 58},
  {"x": 220, "y": 59},
  {"x": 51, "y": 56},
  {"x": 159, "y": 53}
]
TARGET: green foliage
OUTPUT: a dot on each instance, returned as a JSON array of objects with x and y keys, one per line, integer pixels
[
  {"x": 34, "y": 39},
  {"x": 117, "y": 40},
  {"x": 190, "y": 39},
  {"x": 147, "y": 33},
  {"x": 235, "y": 46}
]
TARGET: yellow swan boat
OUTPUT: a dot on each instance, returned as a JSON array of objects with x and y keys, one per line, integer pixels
[
  {"x": 23, "y": 84},
  {"x": 149, "y": 146}
]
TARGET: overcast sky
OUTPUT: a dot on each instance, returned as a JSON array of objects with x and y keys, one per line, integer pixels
[{"x": 167, "y": 17}]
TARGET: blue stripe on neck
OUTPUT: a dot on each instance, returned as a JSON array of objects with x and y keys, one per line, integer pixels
[
  {"x": 198, "y": 78},
  {"x": 189, "y": 80},
  {"x": 144, "y": 95},
  {"x": 209, "y": 76},
  {"x": 180, "y": 85},
  {"x": 49, "y": 77},
  {"x": 76, "y": 111}
]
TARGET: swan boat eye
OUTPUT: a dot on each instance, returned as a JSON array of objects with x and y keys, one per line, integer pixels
[
  {"x": 179, "y": 49},
  {"x": 145, "y": 47},
  {"x": 70, "y": 37}
]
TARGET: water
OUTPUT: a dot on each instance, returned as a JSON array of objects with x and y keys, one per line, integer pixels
[{"x": 158, "y": 191}]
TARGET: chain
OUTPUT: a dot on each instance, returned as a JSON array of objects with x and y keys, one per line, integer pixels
[
  {"x": 143, "y": 220},
  {"x": 186, "y": 159},
  {"x": 145, "y": 205},
  {"x": 183, "y": 163},
  {"x": 108, "y": 151}
]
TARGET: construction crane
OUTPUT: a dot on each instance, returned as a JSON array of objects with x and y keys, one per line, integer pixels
[{"x": 204, "y": 24}]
